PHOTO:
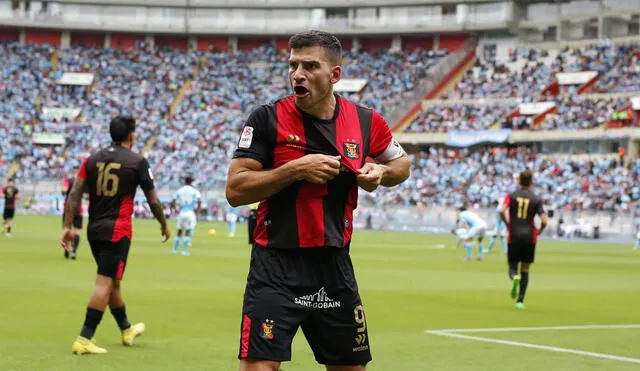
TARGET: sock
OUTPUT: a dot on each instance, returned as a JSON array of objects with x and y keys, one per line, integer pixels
[
  {"x": 91, "y": 321},
  {"x": 120, "y": 315},
  {"x": 9, "y": 230},
  {"x": 491, "y": 243},
  {"x": 469, "y": 247},
  {"x": 232, "y": 227},
  {"x": 524, "y": 282},
  {"x": 505, "y": 247},
  {"x": 76, "y": 242},
  {"x": 176, "y": 243},
  {"x": 187, "y": 243},
  {"x": 512, "y": 273},
  {"x": 480, "y": 250}
]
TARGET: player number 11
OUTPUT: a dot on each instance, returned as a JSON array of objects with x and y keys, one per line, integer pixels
[{"x": 523, "y": 207}]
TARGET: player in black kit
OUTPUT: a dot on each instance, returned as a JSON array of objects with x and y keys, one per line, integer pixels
[
  {"x": 111, "y": 176},
  {"x": 519, "y": 210}
]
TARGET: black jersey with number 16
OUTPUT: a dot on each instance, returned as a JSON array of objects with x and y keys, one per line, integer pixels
[{"x": 113, "y": 175}]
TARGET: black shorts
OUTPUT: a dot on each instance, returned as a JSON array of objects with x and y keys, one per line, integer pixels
[
  {"x": 520, "y": 251},
  {"x": 77, "y": 221},
  {"x": 111, "y": 257},
  {"x": 8, "y": 214},
  {"x": 314, "y": 289},
  {"x": 251, "y": 224}
]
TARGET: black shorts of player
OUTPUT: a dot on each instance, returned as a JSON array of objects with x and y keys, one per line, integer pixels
[
  {"x": 111, "y": 257},
  {"x": 314, "y": 289},
  {"x": 77, "y": 221},
  {"x": 521, "y": 251},
  {"x": 251, "y": 224},
  {"x": 8, "y": 214}
]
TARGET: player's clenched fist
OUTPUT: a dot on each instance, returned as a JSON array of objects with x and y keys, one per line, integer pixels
[
  {"x": 370, "y": 176},
  {"x": 319, "y": 169}
]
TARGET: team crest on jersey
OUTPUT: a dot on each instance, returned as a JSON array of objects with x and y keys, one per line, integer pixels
[
  {"x": 267, "y": 326},
  {"x": 351, "y": 150}
]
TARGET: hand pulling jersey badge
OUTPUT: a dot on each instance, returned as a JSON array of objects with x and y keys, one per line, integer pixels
[{"x": 351, "y": 150}]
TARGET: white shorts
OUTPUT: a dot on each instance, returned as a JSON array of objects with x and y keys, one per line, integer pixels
[
  {"x": 232, "y": 218},
  {"x": 476, "y": 232},
  {"x": 187, "y": 220}
]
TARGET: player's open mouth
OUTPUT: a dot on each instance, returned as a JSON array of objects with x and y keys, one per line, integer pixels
[{"x": 300, "y": 91}]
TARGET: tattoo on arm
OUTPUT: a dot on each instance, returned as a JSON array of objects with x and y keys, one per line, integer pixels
[
  {"x": 73, "y": 202},
  {"x": 158, "y": 211}
]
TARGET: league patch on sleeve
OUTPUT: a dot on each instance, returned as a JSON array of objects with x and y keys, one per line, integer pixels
[{"x": 246, "y": 138}]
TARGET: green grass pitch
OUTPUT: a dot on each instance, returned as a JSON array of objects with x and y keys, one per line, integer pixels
[{"x": 408, "y": 282}]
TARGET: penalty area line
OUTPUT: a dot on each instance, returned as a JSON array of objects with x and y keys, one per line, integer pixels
[{"x": 535, "y": 346}]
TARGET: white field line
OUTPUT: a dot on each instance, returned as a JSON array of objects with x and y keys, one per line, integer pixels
[
  {"x": 535, "y": 346},
  {"x": 548, "y": 328}
]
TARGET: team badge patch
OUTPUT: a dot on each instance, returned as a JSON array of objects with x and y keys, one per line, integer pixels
[
  {"x": 267, "y": 327},
  {"x": 246, "y": 138},
  {"x": 351, "y": 150}
]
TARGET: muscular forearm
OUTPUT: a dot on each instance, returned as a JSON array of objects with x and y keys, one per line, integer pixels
[
  {"x": 395, "y": 172},
  {"x": 249, "y": 186},
  {"x": 73, "y": 202},
  {"x": 158, "y": 212}
]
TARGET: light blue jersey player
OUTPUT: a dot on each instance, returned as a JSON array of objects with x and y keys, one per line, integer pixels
[
  {"x": 476, "y": 228},
  {"x": 232, "y": 219},
  {"x": 500, "y": 231},
  {"x": 188, "y": 201},
  {"x": 637, "y": 233}
]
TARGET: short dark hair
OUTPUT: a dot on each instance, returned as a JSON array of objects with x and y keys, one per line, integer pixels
[
  {"x": 120, "y": 127},
  {"x": 330, "y": 43},
  {"x": 188, "y": 179},
  {"x": 526, "y": 178}
]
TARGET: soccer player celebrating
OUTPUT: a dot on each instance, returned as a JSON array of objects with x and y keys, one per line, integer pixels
[
  {"x": 188, "y": 200},
  {"x": 501, "y": 231},
  {"x": 476, "y": 228},
  {"x": 67, "y": 184},
  {"x": 519, "y": 210},
  {"x": 11, "y": 197},
  {"x": 111, "y": 176},
  {"x": 304, "y": 157}
]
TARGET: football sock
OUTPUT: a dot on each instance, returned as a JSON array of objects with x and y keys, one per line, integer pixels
[
  {"x": 491, "y": 243},
  {"x": 76, "y": 242},
  {"x": 524, "y": 282},
  {"x": 120, "y": 315},
  {"x": 186, "y": 243},
  {"x": 512, "y": 272},
  {"x": 8, "y": 229},
  {"x": 232, "y": 227},
  {"x": 469, "y": 247},
  {"x": 480, "y": 250},
  {"x": 91, "y": 321},
  {"x": 176, "y": 243}
]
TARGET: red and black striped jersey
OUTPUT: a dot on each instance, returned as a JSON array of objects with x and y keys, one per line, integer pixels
[
  {"x": 523, "y": 207},
  {"x": 303, "y": 214},
  {"x": 10, "y": 193},
  {"x": 112, "y": 176}
]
